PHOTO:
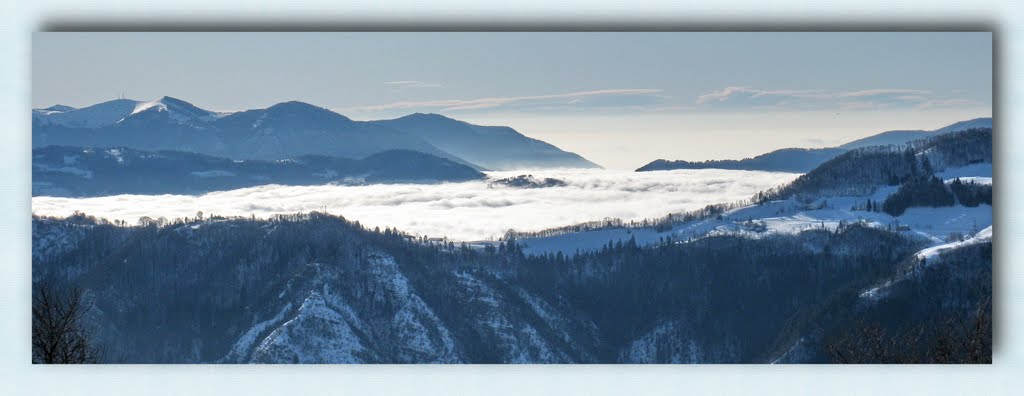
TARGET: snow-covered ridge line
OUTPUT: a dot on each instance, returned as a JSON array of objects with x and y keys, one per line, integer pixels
[
  {"x": 929, "y": 257},
  {"x": 179, "y": 110},
  {"x": 930, "y": 254},
  {"x": 780, "y": 217},
  {"x": 95, "y": 116},
  {"x": 116, "y": 111},
  {"x": 986, "y": 181}
]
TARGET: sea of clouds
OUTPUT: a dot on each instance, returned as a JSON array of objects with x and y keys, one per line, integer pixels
[{"x": 461, "y": 211}]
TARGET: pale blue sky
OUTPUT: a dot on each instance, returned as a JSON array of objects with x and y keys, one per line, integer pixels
[{"x": 620, "y": 99}]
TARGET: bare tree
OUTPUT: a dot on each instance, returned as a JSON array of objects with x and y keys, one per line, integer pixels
[
  {"x": 957, "y": 340},
  {"x": 966, "y": 342},
  {"x": 59, "y": 331},
  {"x": 873, "y": 344}
]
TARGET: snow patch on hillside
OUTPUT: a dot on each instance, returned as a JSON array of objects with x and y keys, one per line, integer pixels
[
  {"x": 796, "y": 353},
  {"x": 244, "y": 345},
  {"x": 554, "y": 320},
  {"x": 929, "y": 256},
  {"x": 317, "y": 334},
  {"x": 520, "y": 342},
  {"x": 52, "y": 238},
  {"x": 987, "y": 181},
  {"x": 95, "y": 116},
  {"x": 784, "y": 216},
  {"x": 420, "y": 333},
  {"x": 178, "y": 110},
  {"x": 976, "y": 170}
]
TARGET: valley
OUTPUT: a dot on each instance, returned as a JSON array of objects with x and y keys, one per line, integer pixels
[{"x": 294, "y": 234}]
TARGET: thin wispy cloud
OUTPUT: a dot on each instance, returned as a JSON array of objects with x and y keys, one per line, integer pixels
[
  {"x": 737, "y": 93},
  {"x": 413, "y": 84},
  {"x": 938, "y": 103},
  {"x": 901, "y": 93},
  {"x": 865, "y": 99},
  {"x": 567, "y": 99}
]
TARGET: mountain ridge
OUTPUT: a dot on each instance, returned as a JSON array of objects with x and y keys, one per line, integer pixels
[
  {"x": 286, "y": 130},
  {"x": 84, "y": 172},
  {"x": 802, "y": 160},
  {"x": 499, "y": 147}
]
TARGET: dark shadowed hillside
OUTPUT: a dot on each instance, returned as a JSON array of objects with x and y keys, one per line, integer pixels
[
  {"x": 316, "y": 288},
  {"x": 801, "y": 160},
  {"x": 75, "y": 171},
  {"x": 862, "y": 170}
]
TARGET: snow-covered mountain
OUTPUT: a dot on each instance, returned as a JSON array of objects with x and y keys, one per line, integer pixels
[
  {"x": 57, "y": 108},
  {"x": 175, "y": 110},
  {"x": 283, "y": 131},
  {"x": 493, "y": 147},
  {"x": 95, "y": 116},
  {"x": 803, "y": 160},
  {"x": 116, "y": 111},
  {"x": 287, "y": 130},
  {"x": 123, "y": 110}
]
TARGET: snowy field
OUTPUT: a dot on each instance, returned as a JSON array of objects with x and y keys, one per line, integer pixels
[
  {"x": 460, "y": 211},
  {"x": 788, "y": 216},
  {"x": 932, "y": 224}
]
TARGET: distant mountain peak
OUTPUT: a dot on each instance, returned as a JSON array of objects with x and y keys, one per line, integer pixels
[
  {"x": 431, "y": 115},
  {"x": 296, "y": 105},
  {"x": 492, "y": 147},
  {"x": 428, "y": 117},
  {"x": 980, "y": 122},
  {"x": 57, "y": 108},
  {"x": 899, "y": 137},
  {"x": 804, "y": 160},
  {"x": 172, "y": 101},
  {"x": 177, "y": 110},
  {"x": 293, "y": 128},
  {"x": 94, "y": 116},
  {"x": 295, "y": 108},
  {"x": 115, "y": 102}
]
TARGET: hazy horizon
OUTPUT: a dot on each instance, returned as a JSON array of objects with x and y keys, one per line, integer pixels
[{"x": 618, "y": 99}]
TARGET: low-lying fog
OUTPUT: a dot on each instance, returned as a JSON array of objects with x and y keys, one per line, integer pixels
[{"x": 460, "y": 211}]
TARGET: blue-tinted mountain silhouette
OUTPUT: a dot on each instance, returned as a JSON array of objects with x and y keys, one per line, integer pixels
[
  {"x": 287, "y": 130},
  {"x": 801, "y": 160},
  {"x": 74, "y": 171},
  {"x": 493, "y": 147}
]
